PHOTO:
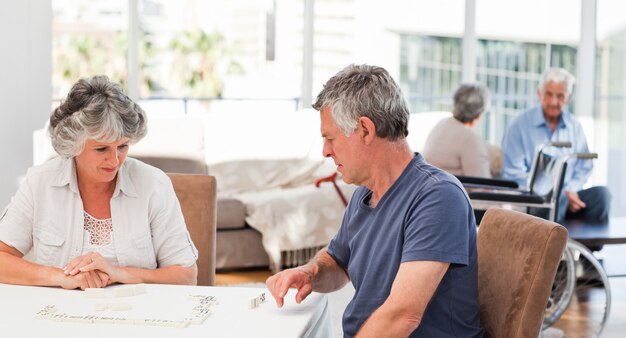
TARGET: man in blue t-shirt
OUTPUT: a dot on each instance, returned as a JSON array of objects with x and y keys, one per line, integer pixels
[{"x": 408, "y": 238}]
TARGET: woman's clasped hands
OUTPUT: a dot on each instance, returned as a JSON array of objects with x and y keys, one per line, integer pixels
[{"x": 90, "y": 270}]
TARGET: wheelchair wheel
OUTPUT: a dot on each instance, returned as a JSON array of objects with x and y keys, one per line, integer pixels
[
  {"x": 590, "y": 303},
  {"x": 562, "y": 289}
]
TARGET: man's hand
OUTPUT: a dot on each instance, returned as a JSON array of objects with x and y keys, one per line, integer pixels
[
  {"x": 280, "y": 283},
  {"x": 575, "y": 203},
  {"x": 322, "y": 273}
]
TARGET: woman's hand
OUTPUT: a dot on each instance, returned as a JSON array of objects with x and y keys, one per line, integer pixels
[
  {"x": 83, "y": 280},
  {"x": 93, "y": 263}
]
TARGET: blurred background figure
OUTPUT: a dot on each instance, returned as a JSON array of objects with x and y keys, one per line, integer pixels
[
  {"x": 550, "y": 121},
  {"x": 453, "y": 145}
]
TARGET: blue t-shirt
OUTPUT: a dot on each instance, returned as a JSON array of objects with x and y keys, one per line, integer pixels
[{"x": 425, "y": 215}]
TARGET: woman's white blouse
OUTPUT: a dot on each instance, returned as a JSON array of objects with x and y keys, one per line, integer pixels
[
  {"x": 46, "y": 215},
  {"x": 99, "y": 237}
]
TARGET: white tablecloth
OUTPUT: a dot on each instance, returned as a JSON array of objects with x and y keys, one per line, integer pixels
[{"x": 231, "y": 316}]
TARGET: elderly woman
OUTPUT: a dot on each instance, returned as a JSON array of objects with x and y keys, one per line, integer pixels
[
  {"x": 452, "y": 145},
  {"x": 91, "y": 216}
]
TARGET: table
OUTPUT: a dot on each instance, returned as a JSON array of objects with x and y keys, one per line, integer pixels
[
  {"x": 594, "y": 234},
  {"x": 231, "y": 317},
  {"x": 598, "y": 234}
]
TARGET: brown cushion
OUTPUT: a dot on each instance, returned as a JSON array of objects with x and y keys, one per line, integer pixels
[
  {"x": 495, "y": 159},
  {"x": 175, "y": 165},
  {"x": 231, "y": 213},
  {"x": 197, "y": 197},
  {"x": 518, "y": 255},
  {"x": 242, "y": 248}
]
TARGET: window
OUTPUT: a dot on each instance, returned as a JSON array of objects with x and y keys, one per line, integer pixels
[
  {"x": 610, "y": 115},
  {"x": 89, "y": 37}
]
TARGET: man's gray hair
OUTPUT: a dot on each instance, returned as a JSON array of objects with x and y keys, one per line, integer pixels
[
  {"x": 558, "y": 75},
  {"x": 471, "y": 100},
  {"x": 98, "y": 109},
  {"x": 363, "y": 90}
]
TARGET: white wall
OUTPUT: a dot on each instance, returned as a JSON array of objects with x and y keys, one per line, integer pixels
[{"x": 25, "y": 87}]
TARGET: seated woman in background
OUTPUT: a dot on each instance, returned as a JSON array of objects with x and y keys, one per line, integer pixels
[
  {"x": 91, "y": 216},
  {"x": 452, "y": 145}
]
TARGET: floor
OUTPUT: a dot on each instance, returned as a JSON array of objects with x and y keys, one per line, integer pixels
[
  {"x": 242, "y": 277},
  {"x": 614, "y": 255},
  {"x": 615, "y": 326}
]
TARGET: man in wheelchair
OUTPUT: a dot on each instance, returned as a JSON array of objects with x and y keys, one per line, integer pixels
[{"x": 547, "y": 123}]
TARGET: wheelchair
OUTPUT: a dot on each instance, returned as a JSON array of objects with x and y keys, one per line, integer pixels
[{"x": 581, "y": 286}]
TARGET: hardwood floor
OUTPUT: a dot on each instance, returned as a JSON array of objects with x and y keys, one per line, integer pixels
[
  {"x": 584, "y": 315},
  {"x": 575, "y": 322},
  {"x": 242, "y": 277}
]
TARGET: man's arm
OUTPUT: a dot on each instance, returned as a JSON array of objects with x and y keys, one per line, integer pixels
[
  {"x": 402, "y": 312},
  {"x": 581, "y": 168},
  {"x": 515, "y": 165},
  {"x": 321, "y": 274}
]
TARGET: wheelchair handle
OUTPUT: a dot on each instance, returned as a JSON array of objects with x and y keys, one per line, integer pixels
[
  {"x": 560, "y": 144},
  {"x": 587, "y": 155}
]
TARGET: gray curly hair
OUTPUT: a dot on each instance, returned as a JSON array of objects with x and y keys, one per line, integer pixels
[
  {"x": 369, "y": 91},
  {"x": 98, "y": 109},
  {"x": 471, "y": 100}
]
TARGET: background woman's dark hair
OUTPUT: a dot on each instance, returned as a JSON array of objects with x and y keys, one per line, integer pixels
[{"x": 471, "y": 100}]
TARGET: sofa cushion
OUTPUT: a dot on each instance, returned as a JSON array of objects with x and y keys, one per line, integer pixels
[
  {"x": 240, "y": 248},
  {"x": 231, "y": 213}
]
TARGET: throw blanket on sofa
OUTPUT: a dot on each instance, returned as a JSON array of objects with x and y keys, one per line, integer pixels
[{"x": 282, "y": 201}]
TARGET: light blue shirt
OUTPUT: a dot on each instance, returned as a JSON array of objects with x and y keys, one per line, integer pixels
[{"x": 530, "y": 130}]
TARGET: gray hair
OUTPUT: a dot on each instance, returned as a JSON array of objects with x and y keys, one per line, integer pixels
[
  {"x": 98, "y": 109},
  {"x": 368, "y": 91},
  {"x": 558, "y": 75},
  {"x": 471, "y": 100}
]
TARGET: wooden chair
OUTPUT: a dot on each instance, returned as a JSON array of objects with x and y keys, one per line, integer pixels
[
  {"x": 518, "y": 256},
  {"x": 197, "y": 196}
]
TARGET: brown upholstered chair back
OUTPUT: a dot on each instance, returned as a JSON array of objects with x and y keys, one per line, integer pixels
[
  {"x": 518, "y": 255},
  {"x": 175, "y": 165},
  {"x": 197, "y": 196}
]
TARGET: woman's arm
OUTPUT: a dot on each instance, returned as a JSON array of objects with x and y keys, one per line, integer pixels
[
  {"x": 174, "y": 274},
  {"x": 16, "y": 270},
  {"x": 93, "y": 261}
]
